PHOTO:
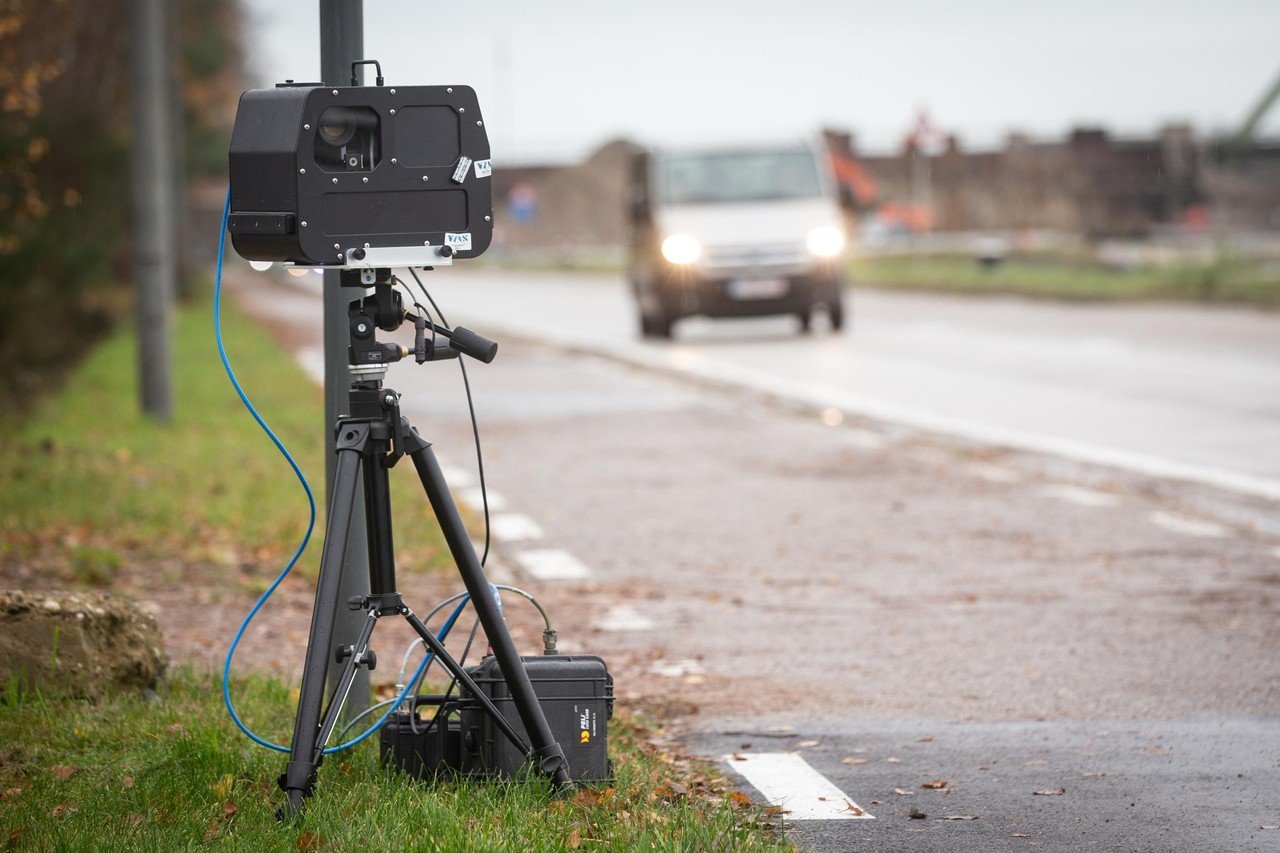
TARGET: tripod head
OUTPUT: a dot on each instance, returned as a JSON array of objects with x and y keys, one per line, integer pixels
[{"x": 384, "y": 309}]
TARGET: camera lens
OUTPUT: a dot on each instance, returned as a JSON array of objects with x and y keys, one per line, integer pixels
[
  {"x": 334, "y": 134},
  {"x": 338, "y": 126}
]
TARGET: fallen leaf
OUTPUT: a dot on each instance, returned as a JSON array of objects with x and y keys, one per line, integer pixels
[
  {"x": 213, "y": 831},
  {"x": 805, "y": 744},
  {"x": 850, "y": 807},
  {"x": 134, "y": 819},
  {"x": 669, "y": 792},
  {"x": 959, "y": 817},
  {"x": 574, "y": 841},
  {"x": 586, "y": 797},
  {"x": 9, "y": 794},
  {"x": 1270, "y": 826},
  {"x": 935, "y": 784},
  {"x": 893, "y": 760},
  {"x": 1049, "y": 792},
  {"x": 903, "y": 792},
  {"x": 229, "y": 810},
  {"x": 852, "y": 760},
  {"x": 222, "y": 788},
  {"x": 308, "y": 842},
  {"x": 773, "y": 811},
  {"x": 739, "y": 799},
  {"x": 1019, "y": 835},
  {"x": 924, "y": 739},
  {"x": 737, "y": 757},
  {"x": 62, "y": 771},
  {"x": 126, "y": 782},
  {"x": 64, "y": 807},
  {"x": 177, "y": 729},
  {"x": 916, "y": 814}
]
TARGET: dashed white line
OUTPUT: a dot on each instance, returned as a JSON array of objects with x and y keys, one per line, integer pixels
[
  {"x": 994, "y": 473},
  {"x": 1078, "y": 495},
  {"x": 514, "y": 527},
  {"x": 786, "y": 780},
  {"x": 311, "y": 360},
  {"x": 552, "y": 564},
  {"x": 863, "y": 439},
  {"x": 473, "y": 497},
  {"x": 676, "y": 668},
  {"x": 1187, "y": 526},
  {"x": 458, "y": 478},
  {"x": 624, "y": 617}
]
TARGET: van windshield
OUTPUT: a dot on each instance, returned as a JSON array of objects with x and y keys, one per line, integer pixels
[{"x": 738, "y": 176}]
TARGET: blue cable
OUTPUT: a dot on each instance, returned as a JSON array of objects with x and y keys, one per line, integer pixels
[{"x": 302, "y": 545}]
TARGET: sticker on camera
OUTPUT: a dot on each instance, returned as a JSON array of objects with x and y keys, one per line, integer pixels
[
  {"x": 460, "y": 241},
  {"x": 460, "y": 173},
  {"x": 484, "y": 168}
]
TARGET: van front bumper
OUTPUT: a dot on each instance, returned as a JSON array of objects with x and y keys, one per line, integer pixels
[{"x": 748, "y": 293}]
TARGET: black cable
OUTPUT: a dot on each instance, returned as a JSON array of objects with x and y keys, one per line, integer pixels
[{"x": 475, "y": 428}]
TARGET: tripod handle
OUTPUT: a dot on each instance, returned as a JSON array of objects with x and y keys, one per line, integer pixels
[{"x": 469, "y": 343}]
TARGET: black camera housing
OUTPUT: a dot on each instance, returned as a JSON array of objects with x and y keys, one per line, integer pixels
[{"x": 321, "y": 172}]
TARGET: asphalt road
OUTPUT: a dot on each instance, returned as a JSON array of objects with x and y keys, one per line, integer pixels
[
  {"x": 899, "y": 607},
  {"x": 1171, "y": 390}
]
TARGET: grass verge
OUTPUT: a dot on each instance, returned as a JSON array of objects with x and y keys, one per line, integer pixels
[
  {"x": 1228, "y": 280},
  {"x": 170, "y": 773},
  {"x": 88, "y": 484}
]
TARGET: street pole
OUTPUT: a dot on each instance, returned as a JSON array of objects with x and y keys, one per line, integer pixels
[
  {"x": 342, "y": 43},
  {"x": 152, "y": 167}
]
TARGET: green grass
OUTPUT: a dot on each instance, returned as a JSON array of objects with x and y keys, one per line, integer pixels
[
  {"x": 86, "y": 481},
  {"x": 171, "y": 773},
  {"x": 1225, "y": 281}
]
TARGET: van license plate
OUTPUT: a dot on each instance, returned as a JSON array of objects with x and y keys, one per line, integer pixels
[{"x": 757, "y": 288}]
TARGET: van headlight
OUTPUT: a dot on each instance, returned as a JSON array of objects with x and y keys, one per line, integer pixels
[
  {"x": 826, "y": 241},
  {"x": 681, "y": 249}
]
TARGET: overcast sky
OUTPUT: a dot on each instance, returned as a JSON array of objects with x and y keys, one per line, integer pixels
[{"x": 556, "y": 78}]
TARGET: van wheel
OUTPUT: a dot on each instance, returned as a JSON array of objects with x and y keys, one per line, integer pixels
[
  {"x": 806, "y": 322},
  {"x": 835, "y": 312},
  {"x": 655, "y": 327}
]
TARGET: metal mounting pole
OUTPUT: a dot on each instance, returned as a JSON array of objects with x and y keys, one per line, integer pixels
[
  {"x": 153, "y": 205},
  {"x": 342, "y": 43}
]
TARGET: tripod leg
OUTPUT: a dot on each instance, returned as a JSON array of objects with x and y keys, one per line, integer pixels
[
  {"x": 457, "y": 671},
  {"x": 551, "y": 759},
  {"x": 343, "y": 687},
  {"x": 299, "y": 776}
]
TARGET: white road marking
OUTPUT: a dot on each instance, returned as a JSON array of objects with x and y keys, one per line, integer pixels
[
  {"x": 786, "y": 779},
  {"x": 311, "y": 360},
  {"x": 552, "y": 564},
  {"x": 863, "y": 439},
  {"x": 826, "y": 396},
  {"x": 459, "y": 478},
  {"x": 1276, "y": 553},
  {"x": 1078, "y": 495},
  {"x": 473, "y": 497},
  {"x": 994, "y": 473},
  {"x": 676, "y": 668},
  {"x": 624, "y": 617},
  {"x": 513, "y": 527},
  {"x": 1187, "y": 526}
]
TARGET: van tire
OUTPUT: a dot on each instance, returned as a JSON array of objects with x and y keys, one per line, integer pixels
[
  {"x": 835, "y": 313},
  {"x": 806, "y": 321},
  {"x": 655, "y": 327}
]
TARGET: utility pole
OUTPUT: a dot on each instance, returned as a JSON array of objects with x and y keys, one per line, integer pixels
[
  {"x": 154, "y": 262},
  {"x": 342, "y": 43}
]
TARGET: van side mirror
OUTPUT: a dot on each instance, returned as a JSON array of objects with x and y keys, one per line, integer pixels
[
  {"x": 639, "y": 205},
  {"x": 845, "y": 194}
]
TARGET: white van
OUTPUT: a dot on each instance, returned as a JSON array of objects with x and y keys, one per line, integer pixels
[{"x": 735, "y": 232}]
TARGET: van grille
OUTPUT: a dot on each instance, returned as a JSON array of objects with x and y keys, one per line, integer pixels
[{"x": 768, "y": 257}]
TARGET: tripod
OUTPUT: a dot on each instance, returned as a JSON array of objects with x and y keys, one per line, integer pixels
[{"x": 371, "y": 440}]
